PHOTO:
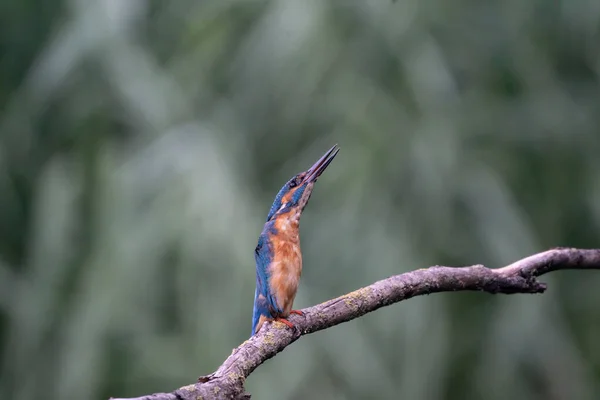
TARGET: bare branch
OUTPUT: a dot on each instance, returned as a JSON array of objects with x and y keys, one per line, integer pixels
[{"x": 520, "y": 277}]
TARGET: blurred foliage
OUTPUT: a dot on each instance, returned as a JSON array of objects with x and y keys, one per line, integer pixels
[{"x": 142, "y": 142}]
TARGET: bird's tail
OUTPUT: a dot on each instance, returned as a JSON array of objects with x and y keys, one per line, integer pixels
[{"x": 255, "y": 314}]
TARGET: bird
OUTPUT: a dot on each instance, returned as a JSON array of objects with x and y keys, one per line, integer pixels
[{"x": 277, "y": 254}]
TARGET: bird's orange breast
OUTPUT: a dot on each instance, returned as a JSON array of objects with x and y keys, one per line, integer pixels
[{"x": 286, "y": 267}]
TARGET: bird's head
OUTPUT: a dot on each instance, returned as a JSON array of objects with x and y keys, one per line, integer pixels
[{"x": 294, "y": 195}]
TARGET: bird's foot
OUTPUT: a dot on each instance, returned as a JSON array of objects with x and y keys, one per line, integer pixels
[
  {"x": 285, "y": 321},
  {"x": 296, "y": 312}
]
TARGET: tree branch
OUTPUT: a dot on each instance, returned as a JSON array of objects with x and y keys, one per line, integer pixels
[{"x": 227, "y": 382}]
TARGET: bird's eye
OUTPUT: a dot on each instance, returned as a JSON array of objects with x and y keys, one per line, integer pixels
[{"x": 294, "y": 182}]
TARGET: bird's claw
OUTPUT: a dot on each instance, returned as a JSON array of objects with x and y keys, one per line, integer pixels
[{"x": 285, "y": 321}]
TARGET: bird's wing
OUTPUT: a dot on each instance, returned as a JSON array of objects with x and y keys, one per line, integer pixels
[
  {"x": 264, "y": 299},
  {"x": 263, "y": 256}
]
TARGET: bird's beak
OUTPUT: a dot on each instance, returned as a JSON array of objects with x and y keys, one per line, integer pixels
[{"x": 317, "y": 169}]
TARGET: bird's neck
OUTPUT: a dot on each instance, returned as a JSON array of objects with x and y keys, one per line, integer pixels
[{"x": 288, "y": 225}]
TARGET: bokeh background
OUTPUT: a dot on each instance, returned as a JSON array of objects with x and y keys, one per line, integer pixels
[{"x": 142, "y": 143}]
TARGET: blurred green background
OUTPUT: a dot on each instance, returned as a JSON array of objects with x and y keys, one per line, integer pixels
[{"x": 142, "y": 143}]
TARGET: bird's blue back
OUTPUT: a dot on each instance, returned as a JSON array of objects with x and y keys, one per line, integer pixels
[{"x": 264, "y": 300}]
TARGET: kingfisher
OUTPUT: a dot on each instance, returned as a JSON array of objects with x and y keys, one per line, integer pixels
[{"x": 277, "y": 254}]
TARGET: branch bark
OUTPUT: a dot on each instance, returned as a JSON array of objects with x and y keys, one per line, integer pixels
[{"x": 227, "y": 382}]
